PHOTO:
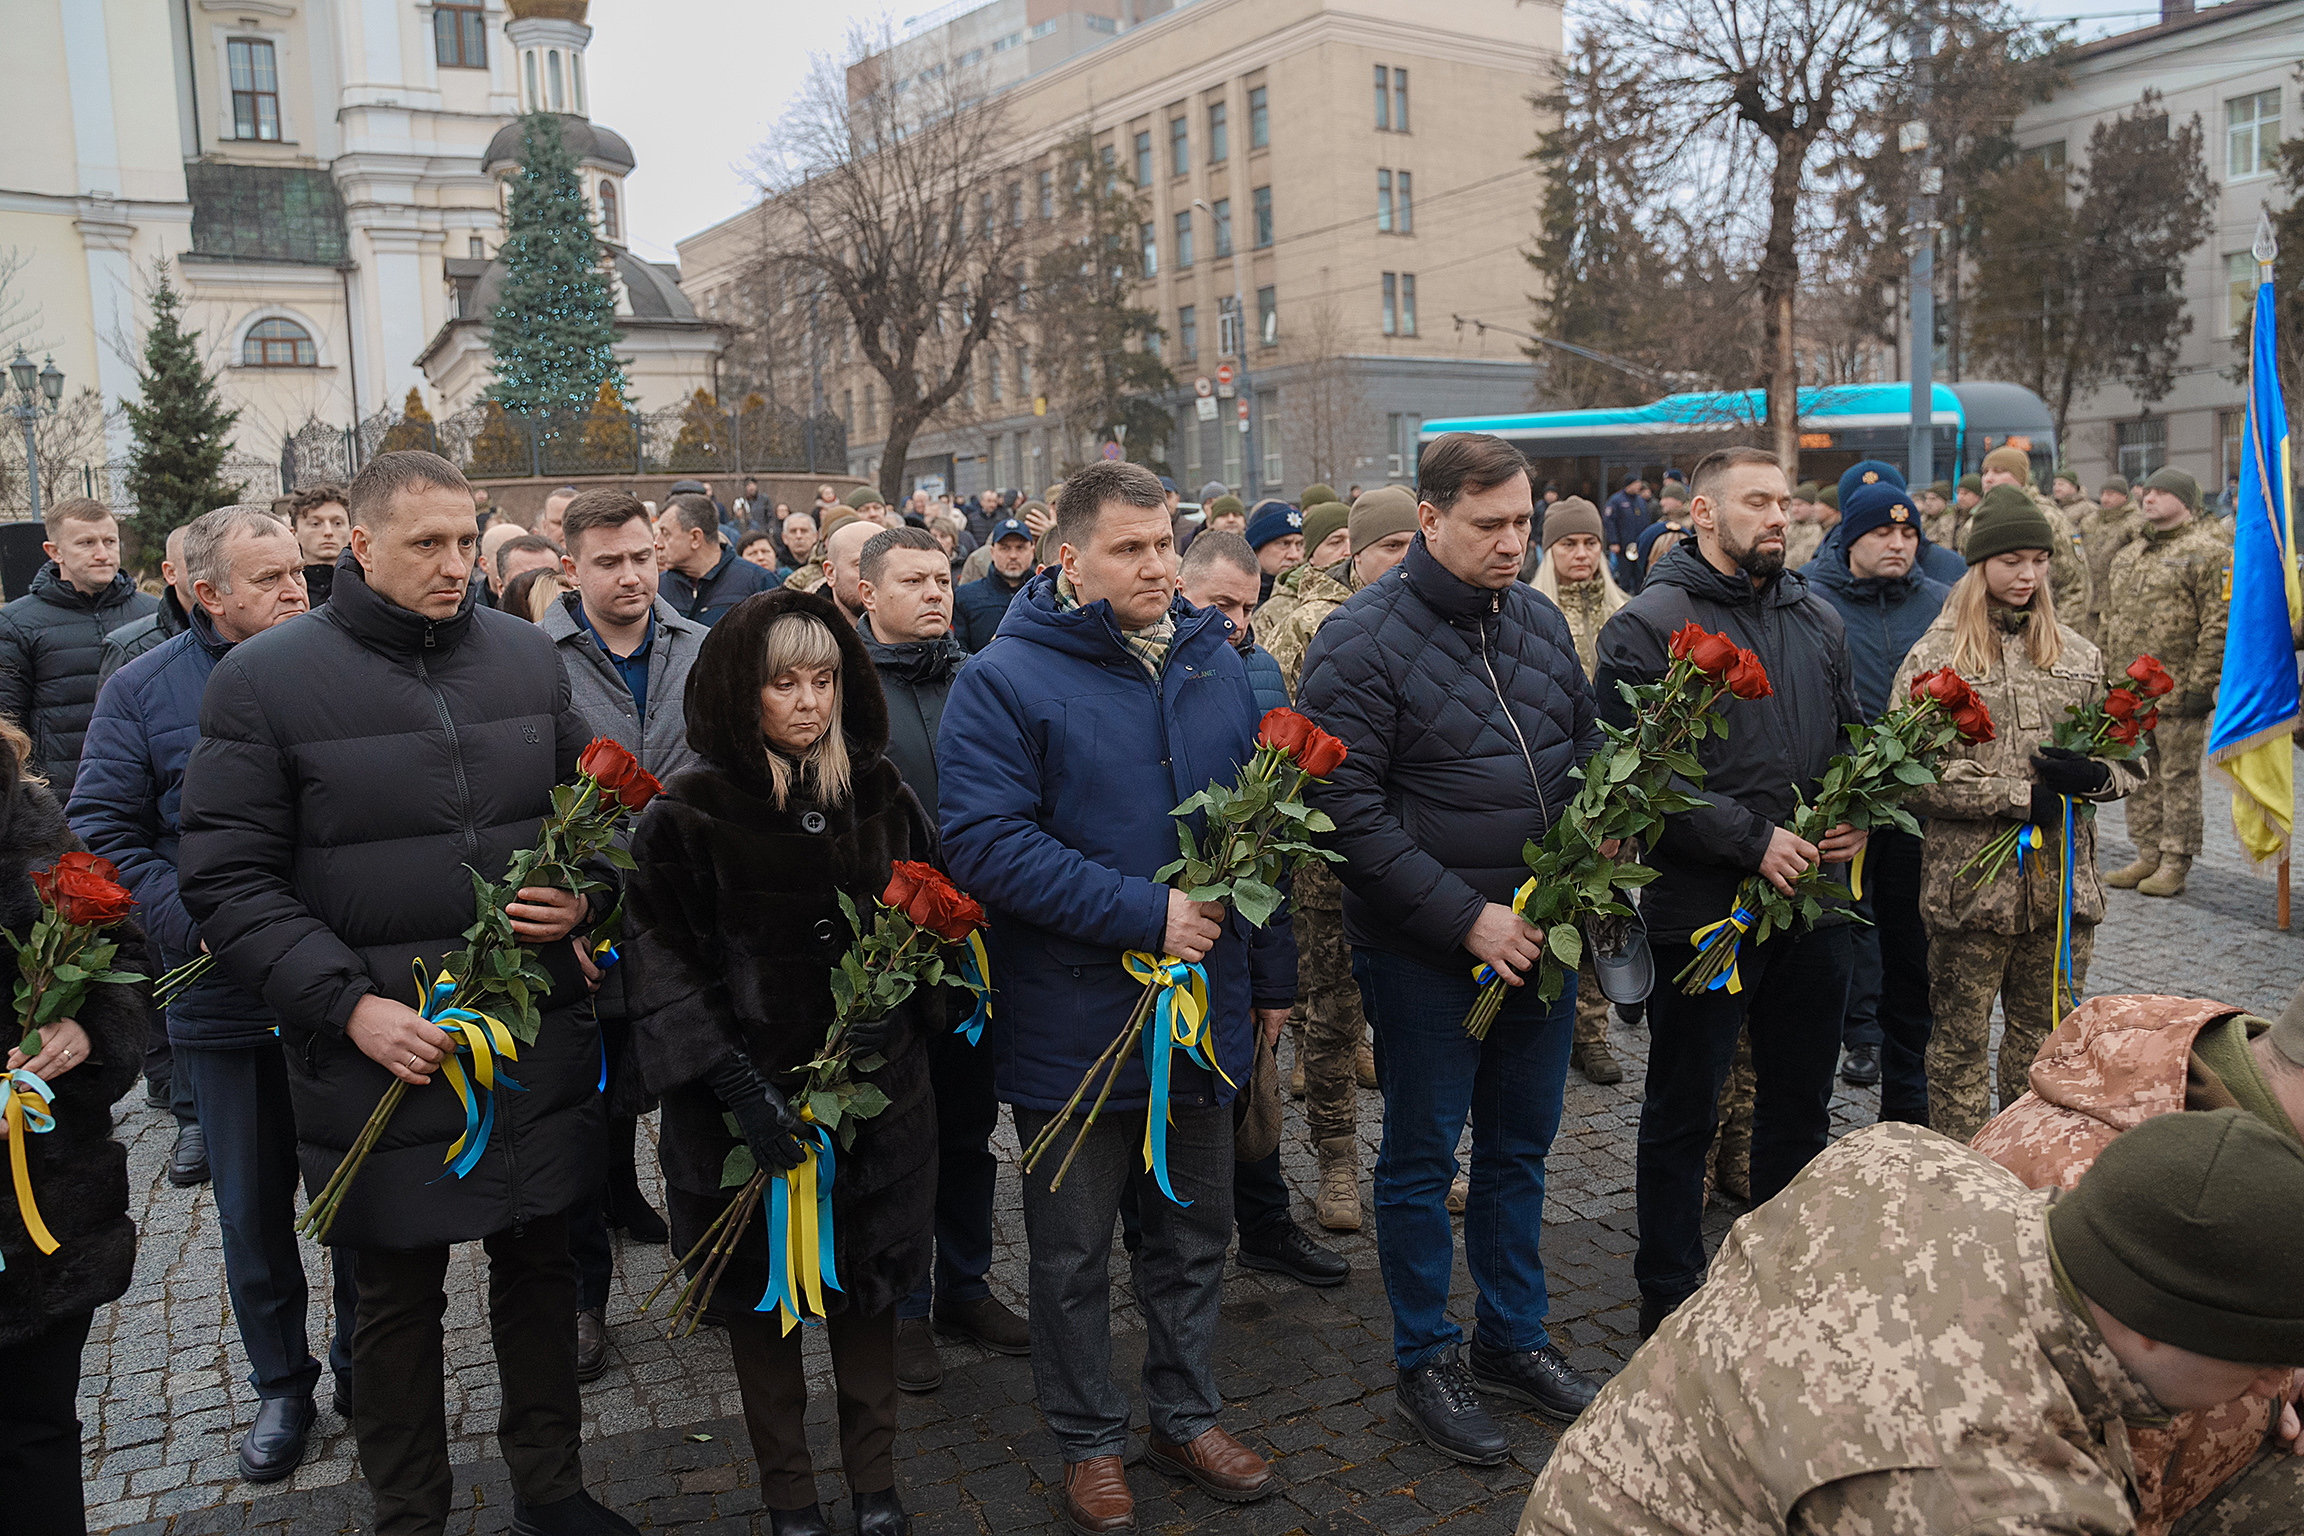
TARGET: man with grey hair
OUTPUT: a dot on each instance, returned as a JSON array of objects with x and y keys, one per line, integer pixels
[
  {"x": 244, "y": 572},
  {"x": 703, "y": 577},
  {"x": 164, "y": 623},
  {"x": 549, "y": 522}
]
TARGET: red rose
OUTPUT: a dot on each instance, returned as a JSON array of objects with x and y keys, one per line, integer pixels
[
  {"x": 903, "y": 881},
  {"x": 952, "y": 914},
  {"x": 2120, "y": 704},
  {"x": 1683, "y": 642},
  {"x": 81, "y": 859},
  {"x": 2150, "y": 720},
  {"x": 1745, "y": 676},
  {"x": 1973, "y": 721},
  {"x": 1285, "y": 730},
  {"x": 618, "y": 773},
  {"x": 2151, "y": 678},
  {"x": 1944, "y": 687},
  {"x": 1322, "y": 754},
  {"x": 2125, "y": 732},
  {"x": 1712, "y": 654},
  {"x": 84, "y": 897}
]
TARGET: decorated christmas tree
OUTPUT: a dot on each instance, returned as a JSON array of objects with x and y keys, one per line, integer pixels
[
  {"x": 181, "y": 428},
  {"x": 554, "y": 327}
]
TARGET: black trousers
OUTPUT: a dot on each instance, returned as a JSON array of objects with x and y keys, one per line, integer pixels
[
  {"x": 967, "y": 1112},
  {"x": 1897, "y": 956},
  {"x": 776, "y": 1401},
  {"x": 40, "y": 1432},
  {"x": 398, "y": 1369}
]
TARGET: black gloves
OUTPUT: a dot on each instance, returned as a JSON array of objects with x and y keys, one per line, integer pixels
[
  {"x": 2047, "y": 807},
  {"x": 867, "y": 1035},
  {"x": 771, "y": 1129},
  {"x": 2068, "y": 772}
]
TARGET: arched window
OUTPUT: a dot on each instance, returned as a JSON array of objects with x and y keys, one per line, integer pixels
[
  {"x": 608, "y": 210},
  {"x": 528, "y": 67},
  {"x": 552, "y": 78},
  {"x": 278, "y": 344},
  {"x": 576, "y": 79}
]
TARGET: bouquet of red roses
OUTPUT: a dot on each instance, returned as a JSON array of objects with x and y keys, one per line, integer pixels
[
  {"x": 1255, "y": 830},
  {"x": 495, "y": 973},
  {"x": 1862, "y": 788},
  {"x": 917, "y": 920},
  {"x": 63, "y": 955},
  {"x": 2112, "y": 728},
  {"x": 1628, "y": 791}
]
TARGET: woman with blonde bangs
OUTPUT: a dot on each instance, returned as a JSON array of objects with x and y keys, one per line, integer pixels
[{"x": 2002, "y": 935}]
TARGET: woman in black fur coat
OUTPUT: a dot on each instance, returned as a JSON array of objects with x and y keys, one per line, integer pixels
[
  {"x": 735, "y": 909},
  {"x": 79, "y": 1180}
]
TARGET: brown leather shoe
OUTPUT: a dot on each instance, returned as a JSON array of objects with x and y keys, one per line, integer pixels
[
  {"x": 1223, "y": 1467},
  {"x": 1096, "y": 1497}
]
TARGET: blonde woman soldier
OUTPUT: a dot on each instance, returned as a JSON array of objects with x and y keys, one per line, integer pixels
[{"x": 1998, "y": 937}]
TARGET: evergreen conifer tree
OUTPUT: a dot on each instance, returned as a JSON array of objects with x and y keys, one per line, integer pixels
[
  {"x": 554, "y": 327},
  {"x": 181, "y": 428}
]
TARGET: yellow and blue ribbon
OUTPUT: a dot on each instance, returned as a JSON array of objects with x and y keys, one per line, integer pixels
[
  {"x": 485, "y": 1040},
  {"x": 1730, "y": 931},
  {"x": 1181, "y": 1022},
  {"x": 1484, "y": 974},
  {"x": 800, "y": 1250},
  {"x": 977, "y": 968},
  {"x": 28, "y": 1098},
  {"x": 2064, "y": 989}
]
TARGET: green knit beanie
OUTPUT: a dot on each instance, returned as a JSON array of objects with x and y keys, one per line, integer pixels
[
  {"x": 1314, "y": 494},
  {"x": 1806, "y": 491},
  {"x": 2177, "y": 484},
  {"x": 2114, "y": 483},
  {"x": 2006, "y": 519},
  {"x": 2171, "y": 1230},
  {"x": 1223, "y": 504},
  {"x": 1940, "y": 488},
  {"x": 1828, "y": 497},
  {"x": 1972, "y": 483},
  {"x": 1322, "y": 519}
]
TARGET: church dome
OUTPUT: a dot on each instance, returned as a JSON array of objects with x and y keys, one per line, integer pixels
[
  {"x": 587, "y": 141},
  {"x": 547, "y": 10}
]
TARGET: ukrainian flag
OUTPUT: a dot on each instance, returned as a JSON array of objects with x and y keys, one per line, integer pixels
[{"x": 2257, "y": 706}]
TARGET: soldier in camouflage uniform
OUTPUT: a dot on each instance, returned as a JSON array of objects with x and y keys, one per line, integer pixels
[
  {"x": 1950, "y": 526},
  {"x": 1909, "y": 1342},
  {"x": 2112, "y": 1063},
  {"x": 2064, "y": 489},
  {"x": 2171, "y": 588},
  {"x": 1382, "y": 524},
  {"x": 1997, "y": 938},
  {"x": 2106, "y": 527},
  {"x": 1575, "y": 577},
  {"x": 1729, "y": 1168},
  {"x": 1803, "y": 535},
  {"x": 2011, "y": 466}
]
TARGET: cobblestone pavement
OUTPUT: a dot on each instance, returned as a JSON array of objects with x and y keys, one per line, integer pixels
[{"x": 1307, "y": 1374}]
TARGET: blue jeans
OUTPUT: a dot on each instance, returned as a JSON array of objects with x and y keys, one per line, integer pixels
[
  {"x": 1434, "y": 1076},
  {"x": 241, "y": 1096}
]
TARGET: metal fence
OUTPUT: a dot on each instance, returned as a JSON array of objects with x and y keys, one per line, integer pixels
[{"x": 489, "y": 443}]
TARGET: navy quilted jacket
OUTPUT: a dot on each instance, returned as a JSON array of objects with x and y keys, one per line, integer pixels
[{"x": 1463, "y": 710}]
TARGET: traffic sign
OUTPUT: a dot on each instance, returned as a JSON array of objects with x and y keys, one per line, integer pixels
[
  {"x": 1243, "y": 410},
  {"x": 1205, "y": 409},
  {"x": 1224, "y": 374},
  {"x": 1111, "y": 450},
  {"x": 1202, "y": 387}
]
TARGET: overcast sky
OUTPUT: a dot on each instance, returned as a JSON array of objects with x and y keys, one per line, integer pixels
[{"x": 696, "y": 97}]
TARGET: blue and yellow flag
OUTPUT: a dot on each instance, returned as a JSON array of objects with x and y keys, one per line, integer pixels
[{"x": 2257, "y": 706}]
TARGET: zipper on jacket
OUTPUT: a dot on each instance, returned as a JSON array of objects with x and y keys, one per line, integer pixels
[
  {"x": 1543, "y": 807},
  {"x": 455, "y": 754}
]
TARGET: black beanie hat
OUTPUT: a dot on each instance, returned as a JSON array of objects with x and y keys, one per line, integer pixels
[
  {"x": 2174, "y": 1230},
  {"x": 2006, "y": 519}
]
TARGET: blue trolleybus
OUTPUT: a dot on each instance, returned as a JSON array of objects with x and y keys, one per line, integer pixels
[{"x": 1592, "y": 453}]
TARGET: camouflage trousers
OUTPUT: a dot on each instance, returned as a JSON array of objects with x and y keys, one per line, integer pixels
[
  {"x": 2164, "y": 813},
  {"x": 1966, "y": 971},
  {"x": 1591, "y": 1005},
  {"x": 1328, "y": 1003},
  {"x": 1729, "y": 1167},
  {"x": 2267, "y": 1499}
]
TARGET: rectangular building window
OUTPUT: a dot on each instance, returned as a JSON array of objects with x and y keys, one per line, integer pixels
[
  {"x": 1383, "y": 99},
  {"x": 2231, "y": 436},
  {"x": 1262, "y": 204},
  {"x": 2143, "y": 446},
  {"x": 1399, "y": 101},
  {"x": 1407, "y": 303},
  {"x": 871, "y": 411},
  {"x": 1023, "y": 369},
  {"x": 1148, "y": 250},
  {"x": 1110, "y": 161},
  {"x": 2251, "y": 134},
  {"x": 460, "y": 36},
  {"x": 1183, "y": 239},
  {"x": 1227, "y": 329},
  {"x": 1268, "y": 417},
  {"x": 1223, "y": 210},
  {"x": 1016, "y": 205},
  {"x": 1100, "y": 23},
  {"x": 2049, "y": 156},
  {"x": 1179, "y": 147},
  {"x": 848, "y": 409},
  {"x": 1043, "y": 28},
  {"x": 984, "y": 217},
  {"x": 1391, "y": 304},
  {"x": 1144, "y": 158},
  {"x": 992, "y": 373},
  {"x": 1400, "y": 430},
  {"x": 1219, "y": 137},
  {"x": 1403, "y": 204},
  {"x": 255, "y": 89},
  {"x": 1384, "y": 202},
  {"x": 2239, "y": 291},
  {"x": 1268, "y": 320},
  {"x": 1187, "y": 331},
  {"x": 1259, "y": 119},
  {"x": 1047, "y": 194}
]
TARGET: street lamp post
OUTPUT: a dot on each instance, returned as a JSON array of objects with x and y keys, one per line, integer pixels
[
  {"x": 1248, "y": 475},
  {"x": 31, "y": 384}
]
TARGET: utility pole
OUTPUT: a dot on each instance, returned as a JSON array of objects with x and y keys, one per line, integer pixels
[
  {"x": 1249, "y": 466},
  {"x": 1920, "y": 235}
]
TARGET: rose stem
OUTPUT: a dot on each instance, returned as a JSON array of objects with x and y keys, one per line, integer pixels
[{"x": 1048, "y": 1131}]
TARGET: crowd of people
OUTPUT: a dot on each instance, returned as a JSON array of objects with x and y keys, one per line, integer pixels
[{"x": 342, "y": 707}]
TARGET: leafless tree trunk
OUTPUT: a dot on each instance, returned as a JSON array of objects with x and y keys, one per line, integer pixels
[{"x": 1324, "y": 407}]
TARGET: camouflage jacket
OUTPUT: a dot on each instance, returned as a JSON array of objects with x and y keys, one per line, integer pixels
[
  {"x": 2104, "y": 532},
  {"x": 1274, "y": 610},
  {"x": 1319, "y": 594},
  {"x": 1585, "y": 605},
  {"x": 1801, "y": 541},
  {"x": 1985, "y": 787},
  {"x": 2068, "y": 562},
  {"x": 2114, "y": 1063},
  {"x": 2168, "y": 598},
  {"x": 1948, "y": 527},
  {"x": 1881, "y": 1350}
]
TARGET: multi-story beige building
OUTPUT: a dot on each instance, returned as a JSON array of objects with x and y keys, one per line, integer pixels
[{"x": 1347, "y": 176}]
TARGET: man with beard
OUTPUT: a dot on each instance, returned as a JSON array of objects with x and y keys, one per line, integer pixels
[{"x": 1731, "y": 579}]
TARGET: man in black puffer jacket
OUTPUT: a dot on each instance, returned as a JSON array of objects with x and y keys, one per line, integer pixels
[
  {"x": 1794, "y": 988},
  {"x": 351, "y": 765},
  {"x": 52, "y": 638},
  {"x": 1457, "y": 692}
]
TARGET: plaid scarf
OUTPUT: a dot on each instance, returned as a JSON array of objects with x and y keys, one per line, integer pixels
[{"x": 1149, "y": 645}]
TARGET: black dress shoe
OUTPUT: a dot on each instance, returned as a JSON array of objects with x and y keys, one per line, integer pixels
[
  {"x": 1860, "y": 1068},
  {"x": 341, "y": 1398},
  {"x": 799, "y": 1522},
  {"x": 159, "y": 1092},
  {"x": 1653, "y": 1312},
  {"x": 882, "y": 1514},
  {"x": 579, "y": 1514},
  {"x": 1541, "y": 1378},
  {"x": 188, "y": 1161},
  {"x": 986, "y": 1320},
  {"x": 918, "y": 1367},
  {"x": 274, "y": 1444},
  {"x": 1283, "y": 1249},
  {"x": 591, "y": 1344},
  {"x": 630, "y": 1213},
  {"x": 1439, "y": 1401}
]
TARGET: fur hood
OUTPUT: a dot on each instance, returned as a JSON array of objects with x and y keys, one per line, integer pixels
[{"x": 723, "y": 695}]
